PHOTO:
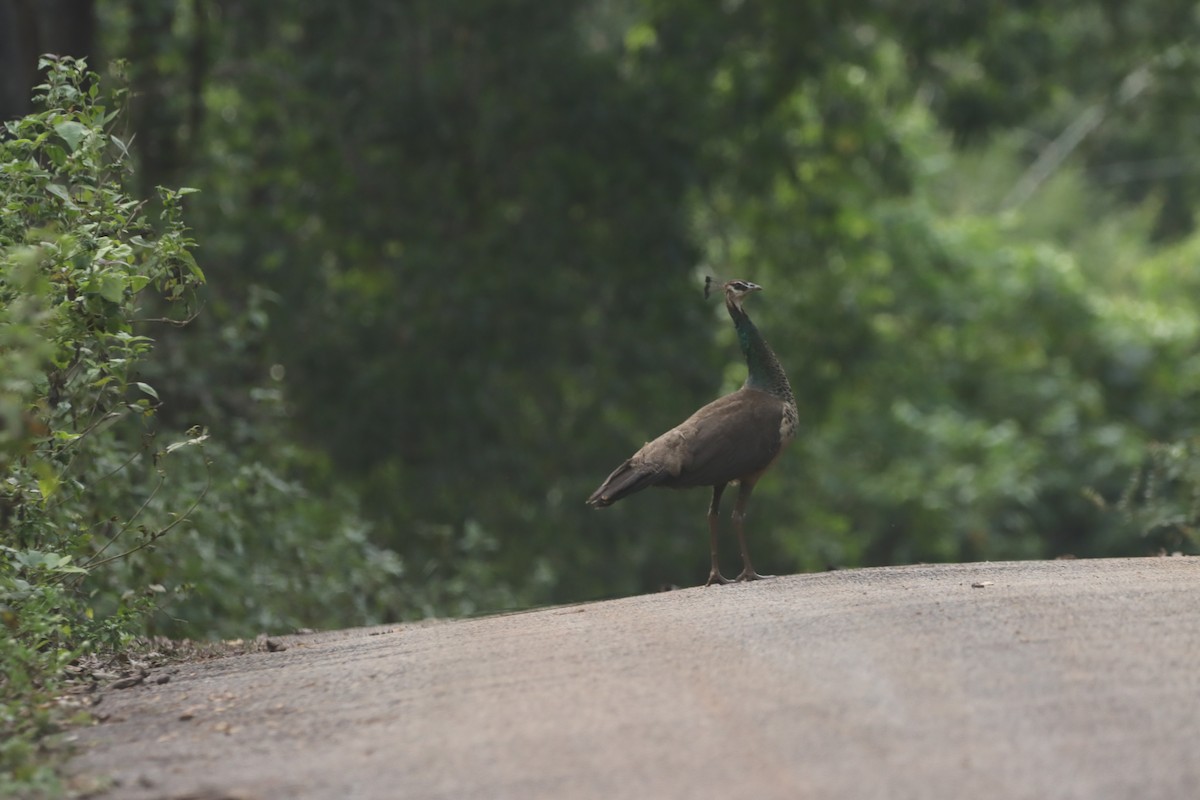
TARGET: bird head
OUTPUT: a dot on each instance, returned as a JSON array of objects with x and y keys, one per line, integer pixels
[{"x": 734, "y": 290}]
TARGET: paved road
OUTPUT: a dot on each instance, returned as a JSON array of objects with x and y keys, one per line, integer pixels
[{"x": 1064, "y": 679}]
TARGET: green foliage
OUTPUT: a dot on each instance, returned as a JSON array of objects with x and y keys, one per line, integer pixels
[
  {"x": 465, "y": 239},
  {"x": 1163, "y": 497},
  {"x": 93, "y": 484},
  {"x": 79, "y": 268},
  {"x": 416, "y": 262},
  {"x": 266, "y": 552}
]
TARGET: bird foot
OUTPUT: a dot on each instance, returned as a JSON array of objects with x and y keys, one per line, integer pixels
[
  {"x": 751, "y": 575},
  {"x": 716, "y": 577}
]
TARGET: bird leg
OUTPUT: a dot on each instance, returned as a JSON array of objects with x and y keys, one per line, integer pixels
[
  {"x": 739, "y": 515},
  {"x": 714, "y": 574}
]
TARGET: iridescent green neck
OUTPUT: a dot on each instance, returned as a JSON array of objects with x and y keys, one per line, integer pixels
[{"x": 765, "y": 373}]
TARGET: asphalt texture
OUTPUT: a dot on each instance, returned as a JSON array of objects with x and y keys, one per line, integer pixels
[{"x": 1062, "y": 679}]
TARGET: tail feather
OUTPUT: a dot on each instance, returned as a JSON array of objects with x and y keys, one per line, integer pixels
[{"x": 625, "y": 480}]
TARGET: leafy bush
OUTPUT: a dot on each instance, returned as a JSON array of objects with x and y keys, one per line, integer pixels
[
  {"x": 83, "y": 481},
  {"x": 1163, "y": 497}
]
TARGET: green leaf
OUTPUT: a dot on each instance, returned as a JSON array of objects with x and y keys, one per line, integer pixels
[
  {"x": 112, "y": 286},
  {"x": 190, "y": 260},
  {"x": 72, "y": 133},
  {"x": 47, "y": 480},
  {"x": 148, "y": 389},
  {"x": 57, "y": 156},
  {"x": 60, "y": 192}
]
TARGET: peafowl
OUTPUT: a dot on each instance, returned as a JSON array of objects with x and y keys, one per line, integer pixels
[{"x": 734, "y": 438}]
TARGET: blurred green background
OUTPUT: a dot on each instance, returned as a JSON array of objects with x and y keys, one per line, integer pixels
[{"x": 454, "y": 254}]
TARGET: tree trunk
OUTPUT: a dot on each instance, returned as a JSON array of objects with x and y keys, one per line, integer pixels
[
  {"x": 153, "y": 113},
  {"x": 69, "y": 29},
  {"x": 28, "y": 29},
  {"x": 19, "y": 45}
]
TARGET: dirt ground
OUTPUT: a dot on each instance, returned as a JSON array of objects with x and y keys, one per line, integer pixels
[{"x": 1063, "y": 679}]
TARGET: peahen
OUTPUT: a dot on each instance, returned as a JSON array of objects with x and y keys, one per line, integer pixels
[{"x": 734, "y": 438}]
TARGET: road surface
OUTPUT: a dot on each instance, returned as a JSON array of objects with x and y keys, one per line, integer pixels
[{"x": 1061, "y": 679}]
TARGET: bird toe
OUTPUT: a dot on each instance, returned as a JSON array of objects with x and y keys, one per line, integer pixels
[
  {"x": 751, "y": 575},
  {"x": 716, "y": 577}
]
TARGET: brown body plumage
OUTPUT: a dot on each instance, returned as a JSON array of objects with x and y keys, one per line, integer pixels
[{"x": 734, "y": 438}]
